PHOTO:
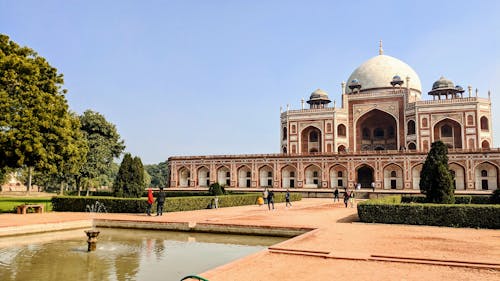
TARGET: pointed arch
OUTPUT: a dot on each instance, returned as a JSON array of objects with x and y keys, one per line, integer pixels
[
  {"x": 288, "y": 176},
  {"x": 338, "y": 176},
  {"x": 203, "y": 176},
  {"x": 415, "y": 175},
  {"x": 393, "y": 176},
  {"x": 266, "y": 175},
  {"x": 244, "y": 176},
  {"x": 449, "y": 131},
  {"x": 458, "y": 173},
  {"x": 224, "y": 175},
  {"x": 486, "y": 174},
  {"x": 184, "y": 176},
  {"x": 365, "y": 175},
  {"x": 311, "y": 140},
  {"x": 376, "y": 130},
  {"x": 312, "y": 176}
]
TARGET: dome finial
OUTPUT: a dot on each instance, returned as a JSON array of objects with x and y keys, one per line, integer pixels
[{"x": 380, "y": 50}]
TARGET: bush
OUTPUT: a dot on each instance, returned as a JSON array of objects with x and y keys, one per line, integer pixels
[
  {"x": 216, "y": 189},
  {"x": 483, "y": 216},
  {"x": 172, "y": 204},
  {"x": 495, "y": 197},
  {"x": 459, "y": 199}
]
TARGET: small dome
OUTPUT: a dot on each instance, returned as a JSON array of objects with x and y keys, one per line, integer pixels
[
  {"x": 318, "y": 94},
  {"x": 459, "y": 88},
  {"x": 396, "y": 78},
  {"x": 443, "y": 83}
]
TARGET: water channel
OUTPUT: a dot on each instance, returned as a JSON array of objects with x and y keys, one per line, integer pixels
[{"x": 121, "y": 254}]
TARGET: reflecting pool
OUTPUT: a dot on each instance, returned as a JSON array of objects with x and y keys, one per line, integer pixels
[{"x": 122, "y": 254}]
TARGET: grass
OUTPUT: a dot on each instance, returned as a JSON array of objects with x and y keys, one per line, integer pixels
[{"x": 9, "y": 204}]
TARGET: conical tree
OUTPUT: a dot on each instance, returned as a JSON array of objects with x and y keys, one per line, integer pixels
[
  {"x": 129, "y": 181},
  {"x": 436, "y": 181}
]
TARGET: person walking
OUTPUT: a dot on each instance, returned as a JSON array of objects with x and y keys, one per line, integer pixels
[
  {"x": 216, "y": 202},
  {"x": 336, "y": 195},
  {"x": 270, "y": 199},
  {"x": 160, "y": 200},
  {"x": 287, "y": 198},
  {"x": 352, "y": 196},
  {"x": 265, "y": 194},
  {"x": 346, "y": 198},
  {"x": 373, "y": 186},
  {"x": 150, "y": 202}
]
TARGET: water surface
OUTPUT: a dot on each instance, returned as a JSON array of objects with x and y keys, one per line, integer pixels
[{"x": 122, "y": 254}]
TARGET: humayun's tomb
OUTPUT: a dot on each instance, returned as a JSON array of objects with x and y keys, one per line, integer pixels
[{"x": 380, "y": 132}]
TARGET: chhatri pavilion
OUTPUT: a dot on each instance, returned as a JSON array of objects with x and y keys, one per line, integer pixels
[{"x": 379, "y": 133}]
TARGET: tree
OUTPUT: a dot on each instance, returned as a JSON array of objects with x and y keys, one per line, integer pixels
[
  {"x": 216, "y": 189},
  {"x": 158, "y": 173},
  {"x": 436, "y": 181},
  {"x": 36, "y": 128},
  {"x": 129, "y": 181},
  {"x": 104, "y": 145}
]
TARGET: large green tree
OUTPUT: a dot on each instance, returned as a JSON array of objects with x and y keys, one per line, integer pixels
[
  {"x": 158, "y": 173},
  {"x": 36, "y": 129},
  {"x": 436, "y": 181},
  {"x": 130, "y": 179},
  {"x": 104, "y": 145}
]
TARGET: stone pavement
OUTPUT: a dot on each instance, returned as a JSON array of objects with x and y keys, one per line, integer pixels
[{"x": 337, "y": 248}]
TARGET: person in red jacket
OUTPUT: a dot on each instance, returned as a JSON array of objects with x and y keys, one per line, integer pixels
[{"x": 150, "y": 201}]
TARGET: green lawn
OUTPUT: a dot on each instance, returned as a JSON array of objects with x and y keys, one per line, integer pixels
[{"x": 8, "y": 204}]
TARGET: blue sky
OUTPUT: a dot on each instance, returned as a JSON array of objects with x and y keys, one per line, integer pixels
[{"x": 209, "y": 77}]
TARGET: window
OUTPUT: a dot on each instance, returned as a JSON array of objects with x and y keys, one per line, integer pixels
[
  {"x": 470, "y": 120},
  {"x": 269, "y": 174},
  {"x": 393, "y": 174},
  {"x": 366, "y": 134},
  {"x": 284, "y": 149},
  {"x": 411, "y": 127},
  {"x": 208, "y": 174},
  {"x": 341, "y": 130},
  {"x": 315, "y": 174},
  {"x": 228, "y": 174},
  {"x": 390, "y": 131},
  {"x": 446, "y": 131},
  {"x": 249, "y": 174},
  {"x": 378, "y": 133},
  {"x": 412, "y": 146},
  {"x": 313, "y": 136},
  {"x": 424, "y": 122},
  {"x": 484, "y": 173},
  {"x": 484, "y": 124},
  {"x": 339, "y": 174},
  {"x": 284, "y": 133},
  {"x": 292, "y": 174}
]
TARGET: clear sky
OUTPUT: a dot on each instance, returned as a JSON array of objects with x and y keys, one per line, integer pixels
[{"x": 209, "y": 77}]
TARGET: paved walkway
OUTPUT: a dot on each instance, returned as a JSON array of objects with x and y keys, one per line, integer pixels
[{"x": 338, "y": 248}]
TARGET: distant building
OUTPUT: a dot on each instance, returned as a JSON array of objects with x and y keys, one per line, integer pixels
[{"x": 380, "y": 132}]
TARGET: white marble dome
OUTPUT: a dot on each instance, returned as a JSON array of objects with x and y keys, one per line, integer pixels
[{"x": 379, "y": 71}]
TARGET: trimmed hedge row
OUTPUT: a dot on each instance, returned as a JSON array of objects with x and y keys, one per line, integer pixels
[
  {"x": 172, "y": 204},
  {"x": 389, "y": 210},
  {"x": 459, "y": 199}
]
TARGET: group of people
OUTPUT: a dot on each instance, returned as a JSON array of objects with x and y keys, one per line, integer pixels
[
  {"x": 349, "y": 197},
  {"x": 268, "y": 196},
  {"x": 160, "y": 201}
]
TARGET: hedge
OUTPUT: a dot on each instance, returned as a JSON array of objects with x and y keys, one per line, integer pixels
[
  {"x": 172, "y": 204},
  {"x": 459, "y": 199},
  {"x": 459, "y": 215}
]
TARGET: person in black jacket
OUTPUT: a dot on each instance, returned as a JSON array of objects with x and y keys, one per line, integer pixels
[
  {"x": 270, "y": 199},
  {"x": 160, "y": 200}
]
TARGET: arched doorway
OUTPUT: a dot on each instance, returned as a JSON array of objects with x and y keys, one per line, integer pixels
[
  {"x": 312, "y": 176},
  {"x": 458, "y": 174},
  {"x": 485, "y": 144},
  {"x": 449, "y": 132},
  {"x": 224, "y": 176},
  {"x": 266, "y": 176},
  {"x": 376, "y": 130},
  {"x": 288, "y": 174},
  {"x": 244, "y": 176},
  {"x": 338, "y": 176},
  {"x": 415, "y": 175},
  {"x": 203, "y": 177},
  {"x": 184, "y": 177},
  {"x": 311, "y": 140},
  {"x": 365, "y": 175},
  {"x": 393, "y": 177},
  {"x": 486, "y": 176}
]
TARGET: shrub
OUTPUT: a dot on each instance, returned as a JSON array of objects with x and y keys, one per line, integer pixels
[
  {"x": 495, "y": 197},
  {"x": 470, "y": 215},
  {"x": 172, "y": 204},
  {"x": 436, "y": 181},
  {"x": 216, "y": 189}
]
